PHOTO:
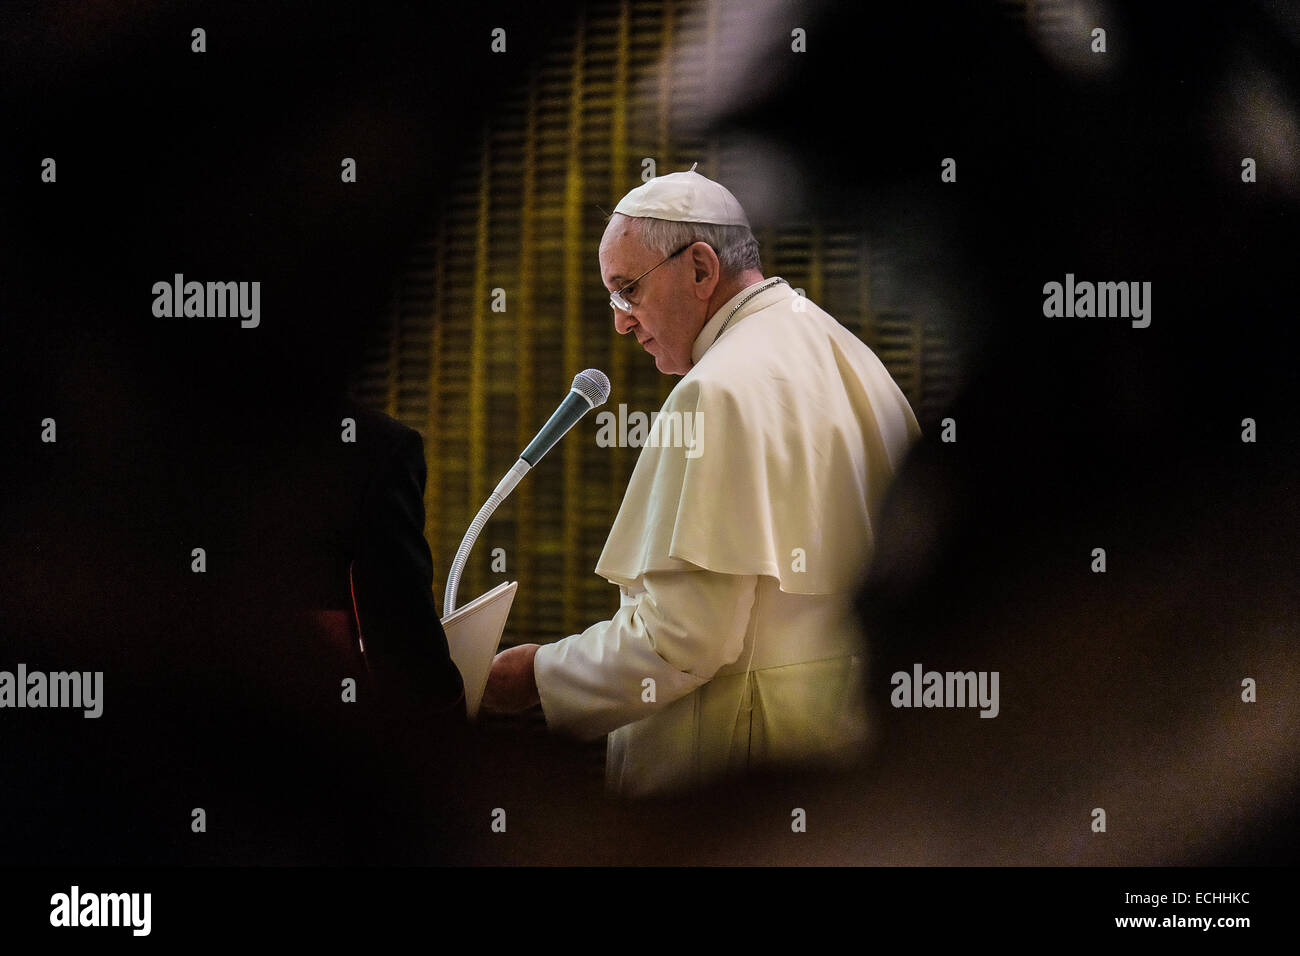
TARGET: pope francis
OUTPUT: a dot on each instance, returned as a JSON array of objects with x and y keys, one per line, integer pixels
[{"x": 734, "y": 647}]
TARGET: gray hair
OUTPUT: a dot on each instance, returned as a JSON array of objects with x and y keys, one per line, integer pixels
[{"x": 736, "y": 247}]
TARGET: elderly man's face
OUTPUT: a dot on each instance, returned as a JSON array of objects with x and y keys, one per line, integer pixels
[{"x": 665, "y": 317}]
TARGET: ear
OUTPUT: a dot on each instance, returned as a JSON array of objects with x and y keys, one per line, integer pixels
[{"x": 706, "y": 270}]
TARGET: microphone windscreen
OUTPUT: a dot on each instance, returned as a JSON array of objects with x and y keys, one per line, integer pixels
[{"x": 593, "y": 385}]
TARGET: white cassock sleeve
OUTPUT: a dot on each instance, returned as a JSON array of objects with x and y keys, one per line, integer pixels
[{"x": 682, "y": 628}]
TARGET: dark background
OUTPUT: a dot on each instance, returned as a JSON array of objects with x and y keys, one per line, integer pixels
[{"x": 1118, "y": 690}]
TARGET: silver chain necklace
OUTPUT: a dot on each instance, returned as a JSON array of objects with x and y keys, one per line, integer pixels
[{"x": 763, "y": 288}]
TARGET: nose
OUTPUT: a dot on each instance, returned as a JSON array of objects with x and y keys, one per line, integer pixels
[{"x": 623, "y": 321}]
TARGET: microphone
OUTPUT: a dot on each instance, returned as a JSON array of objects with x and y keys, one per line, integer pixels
[{"x": 590, "y": 388}]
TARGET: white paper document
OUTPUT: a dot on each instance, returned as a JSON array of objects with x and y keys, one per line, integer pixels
[{"x": 473, "y": 632}]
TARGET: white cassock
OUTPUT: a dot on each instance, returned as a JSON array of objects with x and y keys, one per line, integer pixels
[{"x": 735, "y": 646}]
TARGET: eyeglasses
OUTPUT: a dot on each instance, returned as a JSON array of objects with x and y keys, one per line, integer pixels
[{"x": 616, "y": 298}]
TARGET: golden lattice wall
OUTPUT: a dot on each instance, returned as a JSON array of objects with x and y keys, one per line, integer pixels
[{"x": 526, "y": 217}]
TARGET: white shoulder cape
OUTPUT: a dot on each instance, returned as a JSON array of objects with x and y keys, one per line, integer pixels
[{"x": 798, "y": 430}]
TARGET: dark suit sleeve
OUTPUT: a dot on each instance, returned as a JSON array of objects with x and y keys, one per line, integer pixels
[{"x": 392, "y": 583}]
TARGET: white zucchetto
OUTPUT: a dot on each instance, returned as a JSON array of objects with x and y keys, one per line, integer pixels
[{"x": 684, "y": 197}]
